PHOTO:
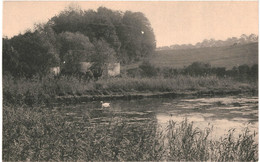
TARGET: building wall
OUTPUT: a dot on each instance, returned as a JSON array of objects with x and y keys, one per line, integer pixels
[
  {"x": 84, "y": 66},
  {"x": 55, "y": 70},
  {"x": 113, "y": 69}
]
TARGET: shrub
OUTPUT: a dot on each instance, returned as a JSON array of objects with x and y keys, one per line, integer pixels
[
  {"x": 148, "y": 70},
  {"x": 198, "y": 69}
]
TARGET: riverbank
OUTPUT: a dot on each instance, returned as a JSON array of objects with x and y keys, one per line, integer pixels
[
  {"x": 70, "y": 99},
  {"x": 72, "y": 90},
  {"x": 33, "y": 130}
]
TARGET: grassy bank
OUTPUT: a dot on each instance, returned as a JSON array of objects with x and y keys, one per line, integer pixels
[
  {"x": 40, "y": 134},
  {"x": 44, "y": 90}
]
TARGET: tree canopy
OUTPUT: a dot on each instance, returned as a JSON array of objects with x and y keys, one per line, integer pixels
[
  {"x": 74, "y": 36},
  {"x": 130, "y": 34},
  {"x": 33, "y": 54}
]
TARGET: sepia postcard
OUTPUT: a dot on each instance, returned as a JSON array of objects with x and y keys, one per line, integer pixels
[{"x": 130, "y": 81}]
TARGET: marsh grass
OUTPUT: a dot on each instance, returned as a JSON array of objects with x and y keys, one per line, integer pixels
[
  {"x": 167, "y": 84},
  {"x": 193, "y": 144},
  {"x": 43, "y": 90},
  {"x": 40, "y": 134}
]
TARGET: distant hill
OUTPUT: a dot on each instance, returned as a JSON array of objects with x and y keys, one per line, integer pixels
[
  {"x": 233, "y": 41},
  {"x": 227, "y": 56}
]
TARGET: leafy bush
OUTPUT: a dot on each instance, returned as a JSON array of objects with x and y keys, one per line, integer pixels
[
  {"x": 198, "y": 68},
  {"x": 241, "y": 73},
  {"x": 148, "y": 70}
]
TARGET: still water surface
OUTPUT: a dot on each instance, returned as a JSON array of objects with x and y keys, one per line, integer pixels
[{"x": 219, "y": 113}]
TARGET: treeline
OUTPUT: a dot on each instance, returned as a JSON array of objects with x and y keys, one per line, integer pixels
[
  {"x": 241, "y": 73},
  {"x": 74, "y": 36},
  {"x": 233, "y": 41}
]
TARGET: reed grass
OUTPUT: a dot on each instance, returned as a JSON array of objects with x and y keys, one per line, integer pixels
[
  {"x": 193, "y": 144},
  {"x": 168, "y": 84},
  {"x": 43, "y": 90},
  {"x": 40, "y": 134}
]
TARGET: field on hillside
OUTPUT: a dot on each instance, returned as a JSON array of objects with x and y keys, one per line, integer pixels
[{"x": 228, "y": 57}]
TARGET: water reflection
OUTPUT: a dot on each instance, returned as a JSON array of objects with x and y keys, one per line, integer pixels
[{"x": 223, "y": 113}]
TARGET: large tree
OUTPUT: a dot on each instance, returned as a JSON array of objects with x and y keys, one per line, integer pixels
[
  {"x": 101, "y": 36},
  {"x": 10, "y": 58},
  {"x": 75, "y": 48},
  {"x": 35, "y": 53},
  {"x": 136, "y": 36},
  {"x": 129, "y": 34}
]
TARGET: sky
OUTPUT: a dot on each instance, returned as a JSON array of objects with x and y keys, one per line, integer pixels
[{"x": 173, "y": 22}]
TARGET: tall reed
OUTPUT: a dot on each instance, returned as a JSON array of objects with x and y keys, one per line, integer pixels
[
  {"x": 43, "y": 90},
  {"x": 40, "y": 134}
]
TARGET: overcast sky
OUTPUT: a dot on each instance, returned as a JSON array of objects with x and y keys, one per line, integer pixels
[{"x": 173, "y": 22}]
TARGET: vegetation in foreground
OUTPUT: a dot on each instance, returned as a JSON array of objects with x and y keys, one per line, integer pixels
[
  {"x": 40, "y": 134},
  {"x": 43, "y": 90}
]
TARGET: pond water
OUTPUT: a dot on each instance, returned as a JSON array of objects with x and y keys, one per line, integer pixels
[{"x": 219, "y": 113}]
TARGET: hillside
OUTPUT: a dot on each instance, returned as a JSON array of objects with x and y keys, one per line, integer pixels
[
  {"x": 243, "y": 39},
  {"x": 228, "y": 56}
]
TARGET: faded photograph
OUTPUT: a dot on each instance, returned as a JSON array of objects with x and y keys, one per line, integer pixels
[{"x": 130, "y": 81}]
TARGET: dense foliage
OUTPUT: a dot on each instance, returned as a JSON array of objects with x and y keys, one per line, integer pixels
[
  {"x": 240, "y": 73},
  {"x": 75, "y": 36}
]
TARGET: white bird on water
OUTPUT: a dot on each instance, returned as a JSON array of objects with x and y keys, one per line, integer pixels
[{"x": 105, "y": 105}]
